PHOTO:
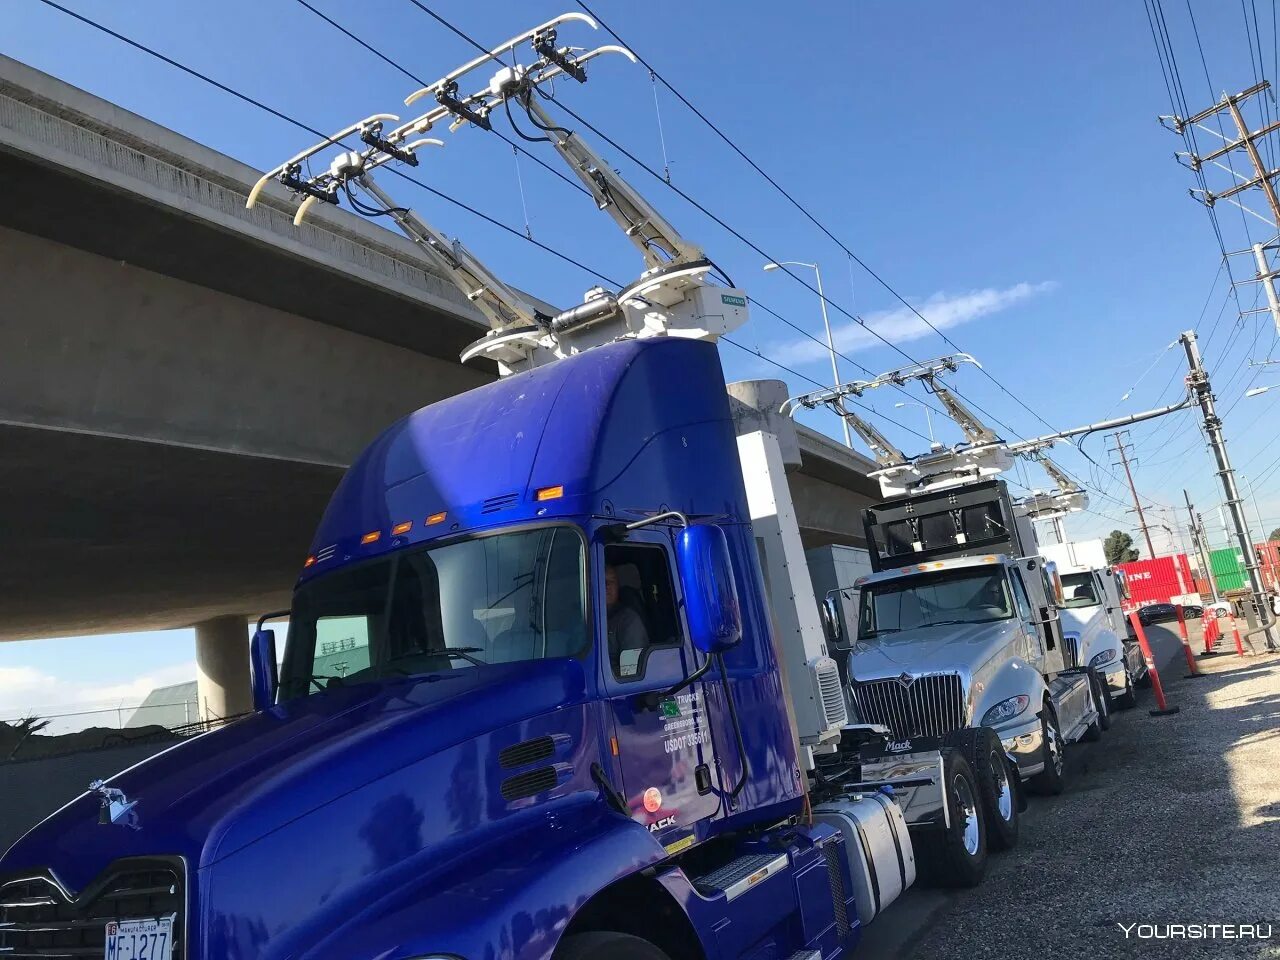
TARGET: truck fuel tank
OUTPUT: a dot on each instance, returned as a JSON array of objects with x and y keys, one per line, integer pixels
[{"x": 877, "y": 845}]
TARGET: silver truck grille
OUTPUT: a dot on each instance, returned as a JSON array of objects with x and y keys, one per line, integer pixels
[
  {"x": 38, "y": 920},
  {"x": 927, "y": 706}
]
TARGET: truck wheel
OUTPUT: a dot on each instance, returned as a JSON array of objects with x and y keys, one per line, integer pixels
[
  {"x": 1052, "y": 779},
  {"x": 1129, "y": 699},
  {"x": 997, "y": 790},
  {"x": 955, "y": 856},
  {"x": 1101, "y": 704},
  {"x": 605, "y": 945}
]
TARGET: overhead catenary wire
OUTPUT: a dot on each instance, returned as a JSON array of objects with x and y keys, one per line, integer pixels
[
  {"x": 849, "y": 253},
  {"x": 311, "y": 130},
  {"x": 853, "y": 257},
  {"x": 285, "y": 117}
]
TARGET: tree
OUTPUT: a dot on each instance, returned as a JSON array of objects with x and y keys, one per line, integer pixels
[
  {"x": 1119, "y": 548},
  {"x": 1275, "y": 534}
]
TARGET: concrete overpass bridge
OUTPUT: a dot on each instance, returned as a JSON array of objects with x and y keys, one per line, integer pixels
[{"x": 182, "y": 381}]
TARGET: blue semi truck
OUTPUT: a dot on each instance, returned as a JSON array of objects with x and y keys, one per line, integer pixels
[{"x": 555, "y": 683}]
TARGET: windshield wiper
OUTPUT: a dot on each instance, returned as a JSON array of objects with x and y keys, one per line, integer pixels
[
  {"x": 462, "y": 652},
  {"x": 945, "y": 623},
  {"x": 872, "y": 633}
]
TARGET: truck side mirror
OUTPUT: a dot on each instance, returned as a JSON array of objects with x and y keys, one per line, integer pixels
[
  {"x": 262, "y": 668},
  {"x": 830, "y": 614},
  {"x": 710, "y": 594}
]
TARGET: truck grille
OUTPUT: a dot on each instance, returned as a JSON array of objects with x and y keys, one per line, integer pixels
[
  {"x": 38, "y": 920},
  {"x": 927, "y": 706}
]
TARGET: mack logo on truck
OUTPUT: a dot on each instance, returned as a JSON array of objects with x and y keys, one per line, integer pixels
[
  {"x": 662, "y": 824},
  {"x": 898, "y": 746}
]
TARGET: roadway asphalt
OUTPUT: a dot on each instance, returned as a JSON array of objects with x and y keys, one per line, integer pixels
[{"x": 1168, "y": 820}]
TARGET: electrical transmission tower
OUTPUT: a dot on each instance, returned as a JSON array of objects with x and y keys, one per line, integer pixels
[
  {"x": 1263, "y": 179},
  {"x": 1121, "y": 449}
]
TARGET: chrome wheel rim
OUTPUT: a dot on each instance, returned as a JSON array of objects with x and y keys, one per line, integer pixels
[
  {"x": 1004, "y": 789},
  {"x": 967, "y": 808},
  {"x": 1054, "y": 743},
  {"x": 1100, "y": 696}
]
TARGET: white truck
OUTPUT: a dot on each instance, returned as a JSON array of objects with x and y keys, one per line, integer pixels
[{"x": 1093, "y": 618}]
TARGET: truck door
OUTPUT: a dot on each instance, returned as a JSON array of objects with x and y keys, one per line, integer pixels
[
  {"x": 663, "y": 742},
  {"x": 1110, "y": 597},
  {"x": 1032, "y": 647}
]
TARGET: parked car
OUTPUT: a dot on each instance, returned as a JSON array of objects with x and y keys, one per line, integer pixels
[
  {"x": 1220, "y": 608},
  {"x": 1157, "y": 612},
  {"x": 1191, "y": 611}
]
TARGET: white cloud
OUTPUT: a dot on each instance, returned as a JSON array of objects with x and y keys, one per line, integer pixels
[
  {"x": 26, "y": 690},
  {"x": 901, "y": 325}
]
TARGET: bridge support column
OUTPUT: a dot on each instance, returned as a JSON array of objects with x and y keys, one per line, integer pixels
[{"x": 222, "y": 667}]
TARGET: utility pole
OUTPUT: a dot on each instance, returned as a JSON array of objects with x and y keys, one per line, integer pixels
[
  {"x": 1198, "y": 381},
  {"x": 1202, "y": 551},
  {"x": 1262, "y": 179},
  {"x": 1122, "y": 448}
]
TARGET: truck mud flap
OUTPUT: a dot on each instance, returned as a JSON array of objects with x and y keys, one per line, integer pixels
[{"x": 1072, "y": 699}]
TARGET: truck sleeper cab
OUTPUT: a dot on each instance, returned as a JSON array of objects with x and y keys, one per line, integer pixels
[{"x": 529, "y": 684}]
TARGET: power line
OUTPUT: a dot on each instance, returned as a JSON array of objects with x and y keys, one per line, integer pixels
[
  {"x": 422, "y": 83},
  {"x": 809, "y": 215},
  {"x": 311, "y": 130},
  {"x": 799, "y": 206}
]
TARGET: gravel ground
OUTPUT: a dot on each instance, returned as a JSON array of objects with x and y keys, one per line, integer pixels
[{"x": 1169, "y": 820}]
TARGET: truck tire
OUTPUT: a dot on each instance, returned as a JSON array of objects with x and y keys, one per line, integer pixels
[
  {"x": 997, "y": 786},
  {"x": 954, "y": 856},
  {"x": 1102, "y": 704},
  {"x": 1052, "y": 779},
  {"x": 1129, "y": 699},
  {"x": 606, "y": 945}
]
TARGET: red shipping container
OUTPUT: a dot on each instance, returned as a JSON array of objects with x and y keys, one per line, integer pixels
[
  {"x": 1160, "y": 580},
  {"x": 1268, "y": 555},
  {"x": 1269, "y": 563}
]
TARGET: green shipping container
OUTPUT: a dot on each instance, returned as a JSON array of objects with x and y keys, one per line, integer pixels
[{"x": 1228, "y": 569}]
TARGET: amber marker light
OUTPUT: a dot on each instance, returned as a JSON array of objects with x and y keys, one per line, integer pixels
[
  {"x": 550, "y": 493},
  {"x": 436, "y": 518},
  {"x": 400, "y": 528},
  {"x": 371, "y": 537}
]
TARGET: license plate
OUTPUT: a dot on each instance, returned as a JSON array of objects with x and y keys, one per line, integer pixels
[{"x": 140, "y": 939}]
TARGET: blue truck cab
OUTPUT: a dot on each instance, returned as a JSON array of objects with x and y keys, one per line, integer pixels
[{"x": 529, "y": 706}]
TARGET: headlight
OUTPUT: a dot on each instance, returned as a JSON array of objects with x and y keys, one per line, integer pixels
[
  {"x": 1005, "y": 710},
  {"x": 1106, "y": 656}
]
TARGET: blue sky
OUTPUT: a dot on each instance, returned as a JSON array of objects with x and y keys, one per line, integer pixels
[{"x": 1000, "y": 165}]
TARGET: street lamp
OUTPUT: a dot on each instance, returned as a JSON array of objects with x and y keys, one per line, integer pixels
[
  {"x": 928, "y": 418},
  {"x": 1262, "y": 531},
  {"x": 1257, "y": 391},
  {"x": 826, "y": 323}
]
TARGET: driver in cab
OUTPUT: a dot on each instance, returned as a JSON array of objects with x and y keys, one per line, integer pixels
[{"x": 627, "y": 633}]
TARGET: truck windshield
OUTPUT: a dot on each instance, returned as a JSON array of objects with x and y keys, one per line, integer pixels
[
  {"x": 968, "y": 595},
  {"x": 494, "y": 599},
  {"x": 1078, "y": 590}
]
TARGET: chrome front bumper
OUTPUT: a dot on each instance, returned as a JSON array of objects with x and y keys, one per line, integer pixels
[{"x": 1024, "y": 743}]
